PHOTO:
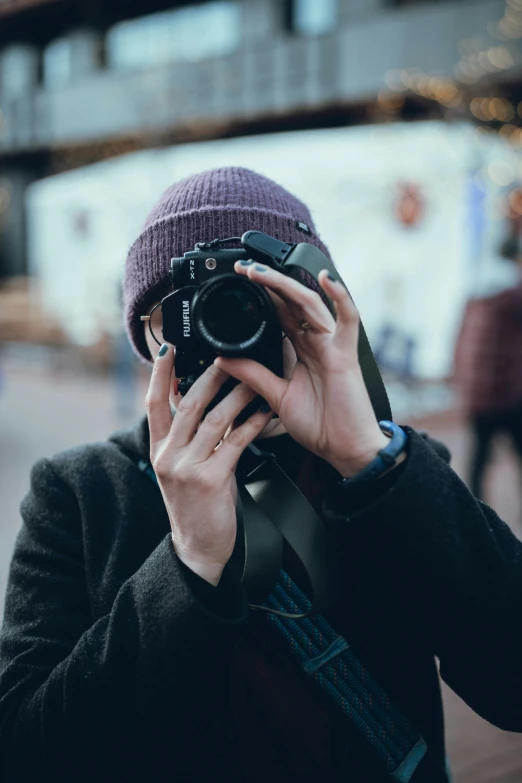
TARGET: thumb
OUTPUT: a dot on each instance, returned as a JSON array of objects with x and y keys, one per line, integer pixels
[{"x": 262, "y": 380}]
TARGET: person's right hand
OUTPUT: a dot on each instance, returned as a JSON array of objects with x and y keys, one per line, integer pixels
[{"x": 195, "y": 474}]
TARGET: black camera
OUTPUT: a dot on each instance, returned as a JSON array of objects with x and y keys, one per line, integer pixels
[{"x": 213, "y": 311}]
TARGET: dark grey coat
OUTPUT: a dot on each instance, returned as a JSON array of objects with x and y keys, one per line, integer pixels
[{"x": 114, "y": 668}]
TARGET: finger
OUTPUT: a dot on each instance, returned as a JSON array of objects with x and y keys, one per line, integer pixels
[
  {"x": 347, "y": 324},
  {"x": 304, "y": 303},
  {"x": 262, "y": 380},
  {"x": 190, "y": 410},
  {"x": 217, "y": 421},
  {"x": 289, "y": 323},
  {"x": 235, "y": 443},
  {"x": 157, "y": 402}
]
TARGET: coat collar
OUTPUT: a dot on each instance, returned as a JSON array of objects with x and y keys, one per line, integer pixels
[{"x": 135, "y": 441}]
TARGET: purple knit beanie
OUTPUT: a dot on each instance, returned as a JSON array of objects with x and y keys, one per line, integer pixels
[{"x": 219, "y": 203}]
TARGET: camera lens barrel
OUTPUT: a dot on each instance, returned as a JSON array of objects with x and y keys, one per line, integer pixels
[{"x": 231, "y": 313}]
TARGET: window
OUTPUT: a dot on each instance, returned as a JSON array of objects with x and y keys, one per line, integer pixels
[
  {"x": 311, "y": 17},
  {"x": 57, "y": 63},
  {"x": 191, "y": 34},
  {"x": 18, "y": 71}
]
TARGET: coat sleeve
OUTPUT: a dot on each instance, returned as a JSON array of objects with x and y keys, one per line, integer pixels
[
  {"x": 78, "y": 698},
  {"x": 438, "y": 567}
]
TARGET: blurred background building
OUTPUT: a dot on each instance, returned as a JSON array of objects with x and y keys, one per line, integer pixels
[
  {"x": 398, "y": 121},
  {"x": 83, "y": 82}
]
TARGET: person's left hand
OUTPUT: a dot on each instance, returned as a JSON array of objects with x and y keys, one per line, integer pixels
[{"x": 324, "y": 405}]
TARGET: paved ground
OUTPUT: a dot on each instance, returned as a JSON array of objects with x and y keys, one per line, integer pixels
[{"x": 42, "y": 412}]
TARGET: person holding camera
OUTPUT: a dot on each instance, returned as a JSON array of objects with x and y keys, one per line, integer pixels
[{"x": 129, "y": 649}]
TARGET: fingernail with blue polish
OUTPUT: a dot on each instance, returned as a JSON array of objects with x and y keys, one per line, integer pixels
[
  {"x": 331, "y": 277},
  {"x": 163, "y": 350},
  {"x": 260, "y": 269},
  {"x": 246, "y": 262}
]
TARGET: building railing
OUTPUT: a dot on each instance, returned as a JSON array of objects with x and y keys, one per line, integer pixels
[{"x": 277, "y": 75}]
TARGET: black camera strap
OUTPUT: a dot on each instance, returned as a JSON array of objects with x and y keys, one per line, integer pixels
[{"x": 270, "y": 511}]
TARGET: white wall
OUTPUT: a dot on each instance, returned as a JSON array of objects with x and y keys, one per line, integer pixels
[{"x": 415, "y": 279}]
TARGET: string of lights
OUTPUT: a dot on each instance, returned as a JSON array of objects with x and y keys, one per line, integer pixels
[{"x": 481, "y": 58}]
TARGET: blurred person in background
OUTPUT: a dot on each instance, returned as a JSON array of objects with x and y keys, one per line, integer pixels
[
  {"x": 129, "y": 651},
  {"x": 488, "y": 359}
]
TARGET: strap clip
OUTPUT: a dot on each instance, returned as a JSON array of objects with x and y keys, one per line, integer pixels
[{"x": 251, "y": 460}]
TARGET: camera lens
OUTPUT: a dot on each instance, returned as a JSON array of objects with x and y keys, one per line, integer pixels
[
  {"x": 230, "y": 313},
  {"x": 232, "y": 316}
]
